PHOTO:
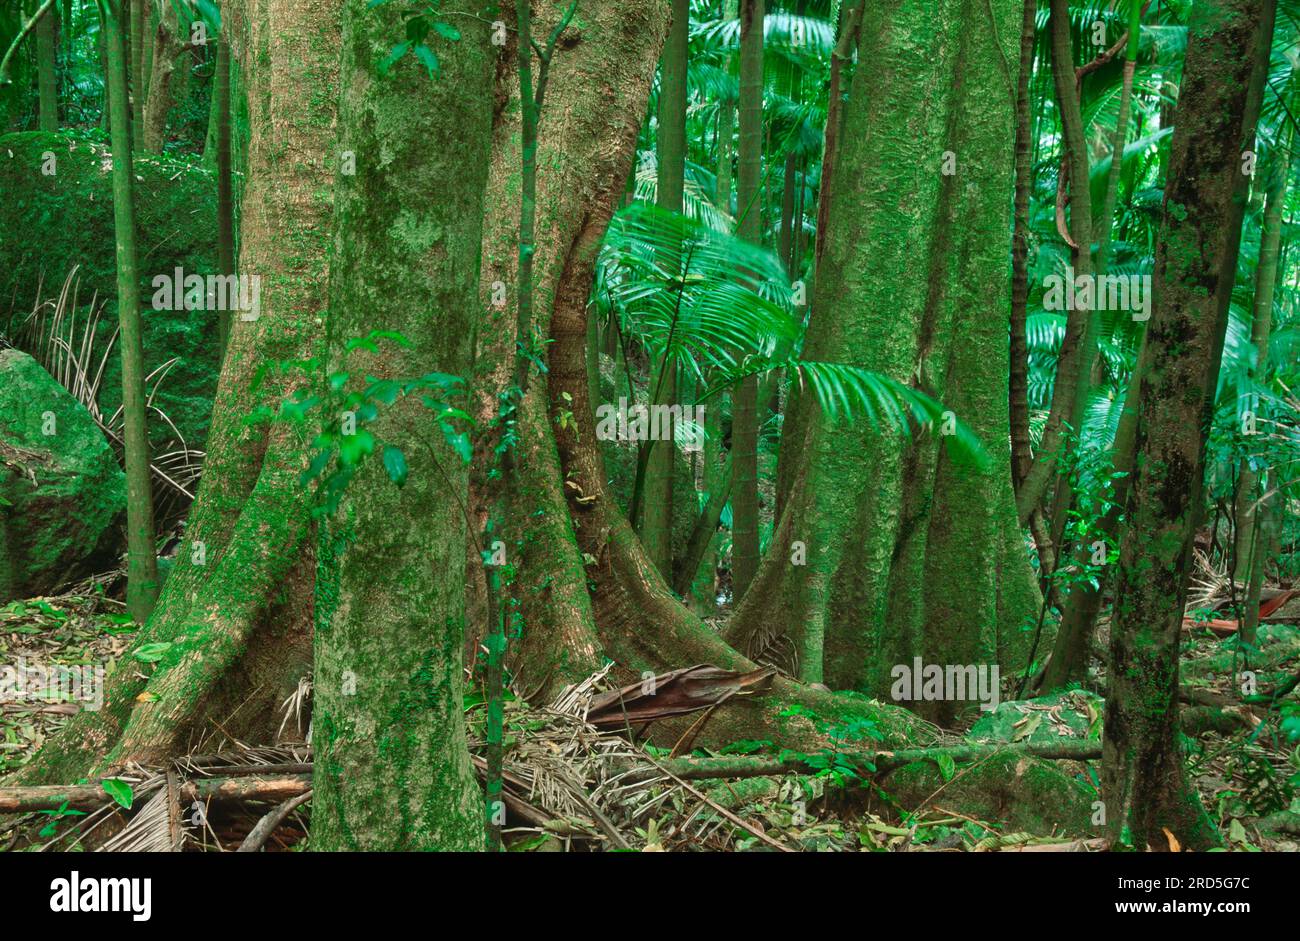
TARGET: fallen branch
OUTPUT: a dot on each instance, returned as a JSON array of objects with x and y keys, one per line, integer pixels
[
  {"x": 694, "y": 769},
  {"x": 258, "y": 836},
  {"x": 86, "y": 797}
]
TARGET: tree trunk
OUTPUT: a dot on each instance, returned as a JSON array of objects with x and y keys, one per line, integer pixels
[
  {"x": 1248, "y": 502},
  {"x": 142, "y": 560},
  {"x": 167, "y": 46},
  {"x": 225, "y": 182},
  {"x": 1022, "y": 454},
  {"x": 657, "y": 503},
  {"x": 1143, "y": 780},
  {"x": 45, "y": 71},
  {"x": 392, "y": 768},
  {"x": 1078, "y": 347},
  {"x": 909, "y": 549},
  {"x": 1106, "y": 222},
  {"x": 135, "y": 63},
  {"x": 237, "y": 608},
  {"x": 744, "y": 399}
]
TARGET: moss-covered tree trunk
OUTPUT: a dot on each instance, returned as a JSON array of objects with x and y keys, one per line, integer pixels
[
  {"x": 1143, "y": 781},
  {"x": 392, "y": 768},
  {"x": 889, "y": 549},
  {"x": 237, "y": 607},
  {"x": 225, "y": 180}
]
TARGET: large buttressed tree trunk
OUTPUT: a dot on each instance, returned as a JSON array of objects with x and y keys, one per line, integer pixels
[
  {"x": 597, "y": 91},
  {"x": 392, "y": 768},
  {"x": 586, "y": 588},
  {"x": 911, "y": 550},
  {"x": 237, "y": 606},
  {"x": 1143, "y": 779}
]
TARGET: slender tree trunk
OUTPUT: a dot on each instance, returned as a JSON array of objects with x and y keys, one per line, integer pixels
[
  {"x": 1106, "y": 222},
  {"x": 727, "y": 124},
  {"x": 392, "y": 768},
  {"x": 167, "y": 48},
  {"x": 135, "y": 65},
  {"x": 744, "y": 401},
  {"x": 142, "y": 560},
  {"x": 657, "y": 512},
  {"x": 1248, "y": 502},
  {"x": 46, "y": 79},
  {"x": 1074, "y": 361},
  {"x": 1143, "y": 780}
]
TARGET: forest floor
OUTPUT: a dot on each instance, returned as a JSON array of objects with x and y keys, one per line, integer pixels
[{"x": 585, "y": 790}]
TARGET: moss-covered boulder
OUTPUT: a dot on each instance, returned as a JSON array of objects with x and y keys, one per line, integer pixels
[
  {"x": 57, "y": 213},
  {"x": 62, "y": 493}
]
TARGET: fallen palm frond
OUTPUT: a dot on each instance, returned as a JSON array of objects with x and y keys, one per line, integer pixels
[{"x": 567, "y": 783}]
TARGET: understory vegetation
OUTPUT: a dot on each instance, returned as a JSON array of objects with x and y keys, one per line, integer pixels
[{"x": 649, "y": 425}]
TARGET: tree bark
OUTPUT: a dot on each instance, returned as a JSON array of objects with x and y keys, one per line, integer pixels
[
  {"x": 909, "y": 549},
  {"x": 392, "y": 768},
  {"x": 225, "y": 181},
  {"x": 1074, "y": 360},
  {"x": 237, "y": 607},
  {"x": 1143, "y": 780},
  {"x": 135, "y": 31},
  {"x": 167, "y": 46}
]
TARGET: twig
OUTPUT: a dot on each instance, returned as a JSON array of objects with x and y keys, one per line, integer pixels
[{"x": 258, "y": 836}]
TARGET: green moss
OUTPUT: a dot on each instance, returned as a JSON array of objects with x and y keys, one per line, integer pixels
[
  {"x": 62, "y": 493},
  {"x": 65, "y": 220}
]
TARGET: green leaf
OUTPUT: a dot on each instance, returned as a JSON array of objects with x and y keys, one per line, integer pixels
[
  {"x": 947, "y": 767},
  {"x": 120, "y": 791},
  {"x": 151, "y": 653},
  {"x": 428, "y": 59},
  {"x": 382, "y": 68},
  {"x": 395, "y": 464},
  {"x": 447, "y": 31}
]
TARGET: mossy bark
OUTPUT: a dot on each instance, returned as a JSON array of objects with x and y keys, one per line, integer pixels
[
  {"x": 237, "y": 607},
  {"x": 1144, "y": 785},
  {"x": 392, "y": 768},
  {"x": 599, "y": 83},
  {"x": 910, "y": 549}
]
